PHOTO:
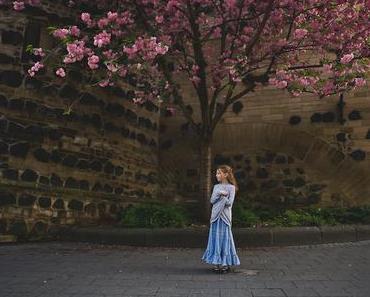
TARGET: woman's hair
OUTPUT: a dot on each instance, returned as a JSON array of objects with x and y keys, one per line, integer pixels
[{"x": 230, "y": 175}]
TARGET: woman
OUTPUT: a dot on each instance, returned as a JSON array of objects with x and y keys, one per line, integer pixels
[{"x": 221, "y": 250}]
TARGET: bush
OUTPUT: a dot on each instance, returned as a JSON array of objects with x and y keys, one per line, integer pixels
[
  {"x": 243, "y": 217},
  {"x": 150, "y": 215}
]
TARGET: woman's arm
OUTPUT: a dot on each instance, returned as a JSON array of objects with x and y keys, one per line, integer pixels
[
  {"x": 229, "y": 201},
  {"x": 215, "y": 195}
]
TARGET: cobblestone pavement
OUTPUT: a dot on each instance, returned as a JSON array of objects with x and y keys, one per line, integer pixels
[{"x": 89, "y": 270}]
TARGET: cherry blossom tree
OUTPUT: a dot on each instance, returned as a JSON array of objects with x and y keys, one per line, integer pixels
[{"x": 226, "y": 49}]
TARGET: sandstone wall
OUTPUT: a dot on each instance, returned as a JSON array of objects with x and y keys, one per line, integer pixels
[{"x": 60, "y": 167}]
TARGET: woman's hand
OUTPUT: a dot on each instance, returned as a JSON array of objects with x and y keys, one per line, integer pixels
[{"x": 224, "y": 193}]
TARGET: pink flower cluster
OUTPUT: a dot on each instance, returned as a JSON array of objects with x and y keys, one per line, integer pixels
[
  {"x": 102, "y": 39},
  {"x": 93, "y": 62},
  {"x": 38, "y": 52},
  {"x": 76, "y": 52},
  {"x": 35, "y": 68},
  {"x": 60, "y": 72},
  {"x": 63, "y": 32},
  {"x": 147, "y": 48},
  {"x": 20, "y": 5}
]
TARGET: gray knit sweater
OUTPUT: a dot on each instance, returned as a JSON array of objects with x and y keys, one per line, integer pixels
[{"x": 222, "y": 204}]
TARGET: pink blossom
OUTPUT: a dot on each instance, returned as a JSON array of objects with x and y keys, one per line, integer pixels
[
  {"x": 93, "y": 62},
  {"x": 86, "y": 18},
  {"x": 18, "y": 5},
  {"x": 112, "y": 16},
  {"x": 60, "y": 72},
  {"x": 159, "y": 19},
  {"x": 359, "y": 82},
  {"x": 61, "y": 33},
  {"x": 76, "y": 51},
  {"x": 347, "y": 58},
  {"x": 300, "y": 33},
  {"x": 36, "y": 67},
  {"x": 102, "y": 39},
  {"x": 281, "y": 84},
  {"x": 75, "y": 31},
  {"x": 38, "y": 52}
]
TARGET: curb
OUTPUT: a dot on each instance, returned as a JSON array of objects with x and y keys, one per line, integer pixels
[{"x": 198, "y": 237}]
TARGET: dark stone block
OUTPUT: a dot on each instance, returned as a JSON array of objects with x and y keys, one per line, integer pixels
[
  {"x": 26, "y": 200},
  {"x": 262, "y": 173},
  {"x": 314, "y": 198},
  {"x": 368, "y": 134},
  {"x": 51, "y": 90},
  {"x": 5, "y": 59},
  {"x": 70, "y": 161},
  {"x": 3, "y": 124},
  {"x": 358, "y": 155},
  {"x": 16, "y": 130},
  {"x": 11, "y": 78},
  {"x": 219, "y": 159},
  {"x": 56, "y": 181},
  {"x": 96, "y": 120},
  {"x": 88, "y": 99},
  {"x": 261, "y": 159},
  {"x": 19, "y": 149},
  {"x": 316, "y": 118},
  {"x": 108, "y": 168},
  {"x": 167, "y": 144},
  {"x": 328, "y": 117},
  {"x": 32, "y": 83},
  {"x": 71, "y": 183},
  {"x": 97, "y": 187},
  {"x": 59, "y": 204},
  {"x": 141, "y": 138},
  {"x": 113, "y": 209},
  {"x": 240, "y": 175},
  {"x": 91, "y": 209},
  {"x": 300, "y": 170},
  {"x": 7, "y": 198},
  {"x": 34, "y": 133},
  {"x": 3, "y": 101},
  {"x": 153, "y": 143},
  {"x": 354, "y": 115},
  {"x": 84, "y": 185},
  {"x": 286, "y": 171},
  {"x": 237, "y": 107},
  {"x": 341, "y": 233},
  {"x": 75, "y": 75},
  {"x": 18, "y": 228},
  {"x": 96, "y": 165},
  {"x": 56, "y": 156},
  {"x": 4, "y": 148},
  {"x": 30, "y": 106},
  {"x": 82, "y": 164},
  {"x": 288, "y": 182},
  {"x": 107, "y": 188},
  {"x": 3, "y": 225},
  {"x": 268, "y": 185},
  {"x": 118, "y": 92},
  {"x": 118, "y": 191},
  {"x": 44, "y": 180},
  {"x": 115, "y": 109},
  {"x": 29, "y": 175},
  {"x": 132, "y": 135},
  {"x": 131, "y": 116},
  {"x": 39, "y": 229},
  {"x": 125, "y": 132},
  {"x": 250, "y": 186},
  {"x": 150, "y": 106},
  {"x": 299, "y": 182},
  {"x": 191, "y": 172},
  {"x": 238, "y": 157},
  {"x": 341, "y": 137},
  {"x": 118, "y": 171},
  {"x": 69, "y": 92},
  {"x": 41, "y": 155},
  {"x": 294, "y": 120},
  {"x": 296, "y": 235},
  {"x": 11, "y": 37},
  {"x": 55, "y": 134},
  {"x": 280, "y": 159},
  {"x": 111, "y": 127},
  {"x": 16, "y": 104},
  {"x": 75, "y": 205},
  {"x": 11, "y": 174},
  {"x": 44, "y": 202},
  {"x": 130, "y": 94},
  {"x": 316, "y": 187}
]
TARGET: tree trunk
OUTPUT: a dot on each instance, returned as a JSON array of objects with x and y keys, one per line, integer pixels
[{"x": 205, "y": 180}]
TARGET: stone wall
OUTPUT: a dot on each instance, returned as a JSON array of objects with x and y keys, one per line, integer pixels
[
  {"x": 61, "y": 166},
  {"x": 286, "y": 151}
]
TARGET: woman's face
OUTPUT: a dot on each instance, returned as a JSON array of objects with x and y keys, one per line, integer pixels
[{"x": 220, "y": 175}]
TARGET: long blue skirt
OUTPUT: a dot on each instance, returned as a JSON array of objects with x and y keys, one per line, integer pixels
[{"x": 221, "y": 247}]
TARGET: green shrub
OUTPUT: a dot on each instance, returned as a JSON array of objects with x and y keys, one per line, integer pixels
[
  {"x": 151, "y": 215},
  {"x": 243, "y": 217}
]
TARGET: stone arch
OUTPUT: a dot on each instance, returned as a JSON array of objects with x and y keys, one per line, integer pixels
[{"x": 349, "y": 177}]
